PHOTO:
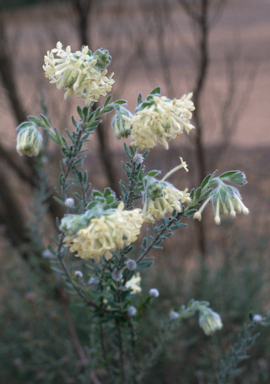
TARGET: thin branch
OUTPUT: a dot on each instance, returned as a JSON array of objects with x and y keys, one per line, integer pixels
[{"x": 72, "y": 330}]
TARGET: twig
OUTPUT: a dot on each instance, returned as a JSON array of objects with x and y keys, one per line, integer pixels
[
  {"x": 94, "y": 378},
  {"x": 72, "y": 330},
  {"x": 75, "y": 286},
  {"x": 155, "y": 240},
  {"x": 131, "y": 186},
  {"x": 121, "y": 351}
]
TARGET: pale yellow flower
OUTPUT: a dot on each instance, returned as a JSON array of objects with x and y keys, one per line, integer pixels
[
  {"x": 105, "y": 234},
  {"x": 134, "y": 284},
  {"x": 76, "y": 73},
  {"x": 161, "y": 122}
]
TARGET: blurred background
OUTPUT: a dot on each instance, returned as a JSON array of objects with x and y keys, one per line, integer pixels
[{"x": 217, "y": 49}]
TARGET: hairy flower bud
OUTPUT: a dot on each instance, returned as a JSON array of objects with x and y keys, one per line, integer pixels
[
  {"x": 132, "y": 311},
  {"x": 131, "y": 264},
  {"x": 78, "y": 274},
  {"x": 154, "y": 292},
  {"x": 117, "y": 275},
  {"x": 29, "y": 141},
  {"x": 69, "y": 202},
  {"x": 121, "y": 128}
]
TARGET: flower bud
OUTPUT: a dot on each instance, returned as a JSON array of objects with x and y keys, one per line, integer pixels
[
  {"x": 93, "y": 281},
  {"x": 78, "y": 274},
  {"x": 173, "y": 315},
  {"x": 131, "y": 264},
  {"x": 71, "y": 224},
  {"x": 117, "y": 275},
  {"x": 154, "y": 292},
  {"x": 210, "y": 321},
  {"x": 121, "y": 128},
  {"x": 103, "y": 58},
  {"x": 69, "y": 202},
  {"x": 132, "y": 311},
  {"x": 29, "y": 141},
  {"x": 257, "y": 318},
  {"x": 155, "y": 190}
]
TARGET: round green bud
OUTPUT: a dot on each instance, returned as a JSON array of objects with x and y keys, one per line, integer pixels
[
  {"x": 155, "y": 190},
  {"x": 29, "y": 141},
  {"x": 103, "y": 58}
]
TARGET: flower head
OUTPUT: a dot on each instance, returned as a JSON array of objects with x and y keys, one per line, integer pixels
[
  {"x": 134, "y": 284},
  {"x": 104, "y": 234},
  {"x": 78, "y": 73},
  {"x": 162, "y": 197},
  {"x": 210, "y": 321},
  {"x": 29, "y": 140},
  {"x": 161, "y": 121}
]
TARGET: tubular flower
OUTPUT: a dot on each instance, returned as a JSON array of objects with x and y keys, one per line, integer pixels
[
  {"x": 161, "y": 122},
  {"x": 134, "y": 284},
  {"x": 168, "y": 200},
  {"x": 77, "y": 73},
  {"x": 105, "y": 234}
]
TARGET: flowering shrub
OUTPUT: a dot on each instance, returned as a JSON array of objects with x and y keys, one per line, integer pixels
[{"x": 103, "y": 229}]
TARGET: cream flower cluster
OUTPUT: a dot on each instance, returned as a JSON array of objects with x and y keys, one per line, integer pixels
[
  {"x": 171, "y": 199},
  {"x": 106, "y": 233},
  {"x": 161, "y": 122},
  {"x": 76, "y": 73}
]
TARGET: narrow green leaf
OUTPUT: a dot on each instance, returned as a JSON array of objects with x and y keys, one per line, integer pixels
[
  {"x": 80, "y": 112},
  {"x": 139, "y": 99},
  {"x": 35, "y": 120},
  {"x": 198, "y": 193},
  {"x": 155, "y": 91},
  {"x": 205, "y": 181},
  {"x": 144, "y": 265},
  {"x": 127, "y": 151},
  {"x": 45, "y": 120},
  {"x": 74, "y": 122},
  {"x": 59, "y": 200},
  {"x": 107, "y": 100},
  {"x": 120, "y": 102}
]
